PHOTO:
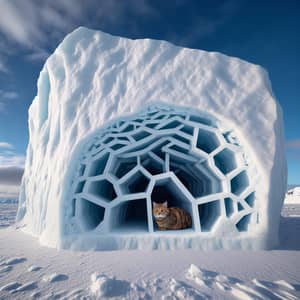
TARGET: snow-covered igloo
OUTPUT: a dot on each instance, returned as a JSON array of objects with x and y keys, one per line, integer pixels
[{"x": 120, "y": 123}]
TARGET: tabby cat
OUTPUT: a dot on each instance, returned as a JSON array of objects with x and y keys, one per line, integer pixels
[{"x": 171, "y": 218}]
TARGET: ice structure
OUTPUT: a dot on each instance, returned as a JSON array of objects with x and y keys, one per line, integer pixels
[{"x": 120, "y": 123}]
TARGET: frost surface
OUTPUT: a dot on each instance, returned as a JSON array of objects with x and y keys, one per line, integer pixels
[{"x": 91, "y": 86}]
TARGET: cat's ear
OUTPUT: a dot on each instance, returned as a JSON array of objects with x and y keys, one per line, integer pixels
[
  {"x": 154, "y": 204},
  {"x": 165, "y": 204}
]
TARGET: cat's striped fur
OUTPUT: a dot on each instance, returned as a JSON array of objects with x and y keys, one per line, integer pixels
[{"x": 171, "y": 218}]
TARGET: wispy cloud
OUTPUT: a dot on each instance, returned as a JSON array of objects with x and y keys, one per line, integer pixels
[
  {"x": 9, "y": 191},
  {"x": 39, "y": 25},
  {"x": 11, "y": 175},
  {"x": 3, "y": 67},
  {"x": 9, "y": 158},
  {"x": 12, "y": 161},
  {"x": 6, "y": 96},
  {"x": 11, "y": 170},
  {"x": 4, "y": 145}
]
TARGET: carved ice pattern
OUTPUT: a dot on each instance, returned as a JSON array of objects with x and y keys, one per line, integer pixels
[{"x": 162, "y": 153}]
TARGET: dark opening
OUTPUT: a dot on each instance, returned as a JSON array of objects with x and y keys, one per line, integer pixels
[
  {"x": 179, "y": 149},
  {"x": 207, "y": 141},
  {"x": 124, "y": 165},
  {"x": 182, "y": 139},
  {"x": 137, "y": 183},
  {"x": 79, "y": 187},
  {"x": 171, "y": 125},
  {"x": 197, "y": 183},
  {"x": 187, "y": 129},
  {"x": 240, "y": 207},
  {"x": 225, "y": 161},
  {"x": 141, "y": 135},
  {"x": 250, "y": 199},
  {"x": 98, "y": 165},
  {"x": 160, "y": 117},
  {"x": 152, "y": 166},
  {"x": 91, "y": 214},
  {"x": 117, "y": 146},
  {"x": 103, "y": 188},
  {"x": 81, "y": 169},
  {"x": 201, "y": 120},
  {"x": 107, "y": 140},
  {"x": 194, "y": 186},
  {"x": 209, "y": 214},
  {"x": 151, "y": 125},
  {"x": 73, "y": 207},
  {"x": 128, "y": 128},
  {"x": 229, "y": 207},
  {"x": 243, "y": 224},
  {"x": 162, "y": 193},
  {"x": 158, "y": 150},
  {"x": 239, "y": 183},
  {"x": 131, "y": 215}
]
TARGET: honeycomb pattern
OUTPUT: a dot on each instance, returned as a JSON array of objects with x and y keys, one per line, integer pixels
[{"x": 162, "y": 154}]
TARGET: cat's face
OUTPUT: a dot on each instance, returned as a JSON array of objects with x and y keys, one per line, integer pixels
[{"x": 160, "y": 210}]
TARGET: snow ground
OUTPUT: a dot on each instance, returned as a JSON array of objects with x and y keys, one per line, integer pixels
[{"x": 28, "y": 271}]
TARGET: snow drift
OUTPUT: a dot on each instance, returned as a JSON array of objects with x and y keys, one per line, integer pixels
[
  {"x": 292, "y": 196},
  {"x": 120, "y": 123}
]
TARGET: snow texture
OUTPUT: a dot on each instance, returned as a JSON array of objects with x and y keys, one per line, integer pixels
[
  {"x": 293, "y": 196},
  {"x": 119, "y": 123},
  {"x": 28, "y": 271}
]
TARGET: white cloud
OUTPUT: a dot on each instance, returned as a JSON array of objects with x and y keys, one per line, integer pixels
[
  {"x": 11, "y": 175},
  {"x": 18, "y": 20},
  {"x": 3, "y": 67},
  {"x": 6, "y": 96},
  {"x": 12, "y": 161},
  {"x": 9, "y": 191},
  {"x": 40, "y": 25},
  {"x": 5, "y": 145},
  {"x": 11, "y": 172}
]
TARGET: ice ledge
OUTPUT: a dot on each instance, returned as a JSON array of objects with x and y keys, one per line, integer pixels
[{"x": 163, "y": 241}]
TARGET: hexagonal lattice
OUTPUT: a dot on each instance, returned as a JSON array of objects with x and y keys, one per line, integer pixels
[{"x": 162, "y": 154}]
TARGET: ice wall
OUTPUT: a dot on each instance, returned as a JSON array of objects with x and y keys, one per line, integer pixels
[{"x": 95, "y": 81}]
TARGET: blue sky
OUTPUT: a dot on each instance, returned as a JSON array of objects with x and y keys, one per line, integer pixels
[{"x": 262, "y": 32}]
